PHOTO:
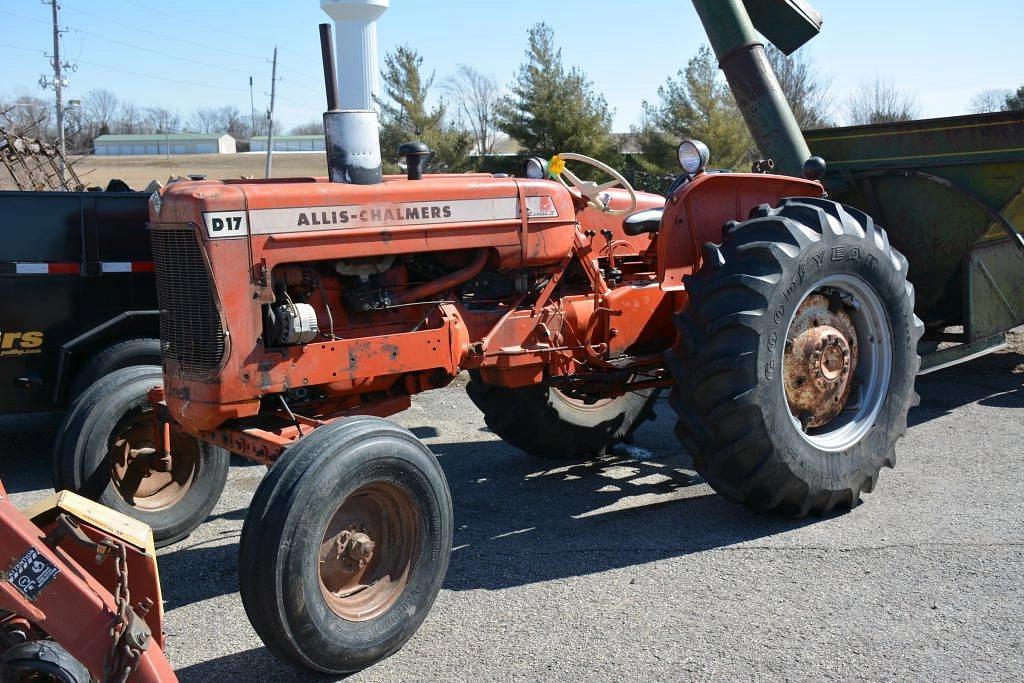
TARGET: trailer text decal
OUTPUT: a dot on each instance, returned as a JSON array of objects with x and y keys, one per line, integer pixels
[{"x": 20, "y": 343}]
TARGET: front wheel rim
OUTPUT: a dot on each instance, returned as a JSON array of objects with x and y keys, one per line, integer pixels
[
  {"x": 852, "y": 363},
  {"x": 369, "y": 551}
]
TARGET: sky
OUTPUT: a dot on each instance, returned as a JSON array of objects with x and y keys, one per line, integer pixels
[{"x": 200, "y": 53}]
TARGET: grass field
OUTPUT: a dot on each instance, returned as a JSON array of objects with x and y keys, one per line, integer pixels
[{"x": 139, "y": 171}]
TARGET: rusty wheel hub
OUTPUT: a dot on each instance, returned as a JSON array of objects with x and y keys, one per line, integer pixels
[
  {"x": 145, "y": 480},
  {"x": 820, "y": 357},
  {"x": 369, "y": 550}
]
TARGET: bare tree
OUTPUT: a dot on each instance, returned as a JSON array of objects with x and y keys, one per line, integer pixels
[
  {"x": 989, "y": 100},
  {"x": 880, "y": 102},
  {"x": 313, "y": 127},
  {"x": 205, "y": 120},
  {"x": 160, "y": 120},
  {"x": 129, "y": 119},
  {"x": 806, "y": 89},
  {"x": 99, "y": 111},
  {"x": 227, "y": 119},
  {"x": 476, "y": 96},
  {"x": 28, "y": 115}
]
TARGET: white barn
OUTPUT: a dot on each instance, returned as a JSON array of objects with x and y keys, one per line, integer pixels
[
  {"x": 289, "y": 143},
  {"x": 182, "y": 143}
]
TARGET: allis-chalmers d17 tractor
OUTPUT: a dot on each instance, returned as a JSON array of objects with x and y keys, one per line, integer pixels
[{"x": 297, "y": 314}]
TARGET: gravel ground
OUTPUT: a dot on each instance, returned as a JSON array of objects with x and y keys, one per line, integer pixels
[{"x": 631, "y": 567}]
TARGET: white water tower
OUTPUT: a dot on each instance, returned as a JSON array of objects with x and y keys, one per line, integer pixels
[{"x": 355, "y": 30}]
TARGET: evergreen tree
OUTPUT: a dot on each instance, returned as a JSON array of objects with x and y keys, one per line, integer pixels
[
  {"x": 696, "y": 103},
  {"x": 405, "y": 115},
  {"x": 1016, "y": 100},
  {"x": 554, "y": 109}
]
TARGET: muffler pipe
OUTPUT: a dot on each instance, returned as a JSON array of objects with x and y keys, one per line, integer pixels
[{"x": 352, "y": 136}]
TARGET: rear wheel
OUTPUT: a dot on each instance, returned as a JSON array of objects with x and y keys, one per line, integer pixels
[
  {"x": 795, "y": 362},
  {"x": 346, "y": 545},
  {"x": 105, "y": 450},
  {"x": 548, "y": 422}
]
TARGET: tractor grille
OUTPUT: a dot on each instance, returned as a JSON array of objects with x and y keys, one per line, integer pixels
[{"x": 191, "y": 333}]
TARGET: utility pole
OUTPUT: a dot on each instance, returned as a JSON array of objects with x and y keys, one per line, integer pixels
[
  {"x": 270, "y": 115},
  {"x": 252, "y": 107},
  {"x": 57, "y": 83}
]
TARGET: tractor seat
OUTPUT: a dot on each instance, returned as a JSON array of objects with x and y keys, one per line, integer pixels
[{"x": 640, "y": 222}]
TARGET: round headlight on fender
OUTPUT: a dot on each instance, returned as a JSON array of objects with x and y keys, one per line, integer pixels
[
  {"x": 693, "y": 156},
  {"x": 534, "y": 168}
]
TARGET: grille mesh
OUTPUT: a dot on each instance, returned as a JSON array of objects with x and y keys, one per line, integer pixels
[{"x": 190, "y": 330}]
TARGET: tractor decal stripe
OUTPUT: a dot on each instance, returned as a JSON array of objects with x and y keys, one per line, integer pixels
[
  {"x": 311, "y": 218},
  {"x": 15, "y": 268}
]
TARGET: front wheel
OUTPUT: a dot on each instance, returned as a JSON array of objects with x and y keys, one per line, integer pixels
[
  {"x": 795, "y": 361},
  {"x": 346, "y": 545}
]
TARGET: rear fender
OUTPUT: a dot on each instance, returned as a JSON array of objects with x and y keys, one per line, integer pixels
[{"x": 697, "y": 213}]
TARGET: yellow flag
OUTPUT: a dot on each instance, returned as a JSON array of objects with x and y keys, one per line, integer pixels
[{"x": 556, "y": 166}]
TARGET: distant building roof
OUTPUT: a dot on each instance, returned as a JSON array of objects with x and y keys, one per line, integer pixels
[
  {"x": 288, "y": 137},
  {"x": 159, "y": 136}
]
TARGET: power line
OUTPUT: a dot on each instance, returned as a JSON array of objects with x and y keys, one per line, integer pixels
[
  {"x": 162, "y": 78},
  {"x": 166, "y": 55},
  {"x": 24, "y": 18},
  {"x": 181, "y": 41},
  {"x": 162, "y": 35},
  {"x": 23, "y": 49}
]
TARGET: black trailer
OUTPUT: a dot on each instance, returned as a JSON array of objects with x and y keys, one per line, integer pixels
[{"x": 79, "y": 298}]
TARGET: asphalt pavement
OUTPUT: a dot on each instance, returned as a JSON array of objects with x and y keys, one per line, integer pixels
[{"x": 631, "y": 567}]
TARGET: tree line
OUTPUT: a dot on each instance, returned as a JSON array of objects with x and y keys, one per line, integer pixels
[
  {"x": 547, "y": 107},
  {"x": 101, "y": 112}
]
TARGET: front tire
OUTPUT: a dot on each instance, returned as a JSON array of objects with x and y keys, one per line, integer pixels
[
  {"x": 346, "y": 545},
  {"x": 97, "y": 454},
  {"x": 548, "y": 423},
  {"x": 795, "y": 361}
]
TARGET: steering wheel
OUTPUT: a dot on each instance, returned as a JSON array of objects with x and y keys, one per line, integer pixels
[{"x": 591, "y": 190}]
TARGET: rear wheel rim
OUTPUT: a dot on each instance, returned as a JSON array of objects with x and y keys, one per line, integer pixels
[
  {"x": 136, "y": 481},
  {"x": 852, "y": 365},
  {"x": 369, "y": 550}
]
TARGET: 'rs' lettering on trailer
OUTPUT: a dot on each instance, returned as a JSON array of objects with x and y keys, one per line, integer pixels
[{"x": 224, "y": 224}]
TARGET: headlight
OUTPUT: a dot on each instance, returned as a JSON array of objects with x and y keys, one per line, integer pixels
[
  {"x": 534, "y": 168},
  {"x": 693, "y": 156},
  {"x": 156, "y": 203}
]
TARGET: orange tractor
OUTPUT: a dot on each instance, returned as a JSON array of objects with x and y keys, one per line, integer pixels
[{"x": 297, "y": 314}]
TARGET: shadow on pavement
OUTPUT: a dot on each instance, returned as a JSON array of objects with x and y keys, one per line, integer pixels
[
  {"x": 995, "y": 381},
  {"x": 257, "y": 664},
  {"x": 26, "y": 443},
  {"x": 521, "y": 520}
]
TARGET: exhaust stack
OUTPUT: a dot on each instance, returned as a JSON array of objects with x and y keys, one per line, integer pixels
[{"x": 352, "y": 135}]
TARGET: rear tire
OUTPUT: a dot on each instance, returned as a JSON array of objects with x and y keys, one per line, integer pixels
[
  {"x": 364, "y": 480},
  {"x": 733, "y": 397},
  {"x": 123, "y": 354},
  {"x": 114, "y": 416},
  {"x": 545, "y": 422},
  {"x": 41, "y": 660}
]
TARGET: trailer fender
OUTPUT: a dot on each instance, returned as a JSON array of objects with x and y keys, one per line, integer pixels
[{"x": 121, "y": 326}]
